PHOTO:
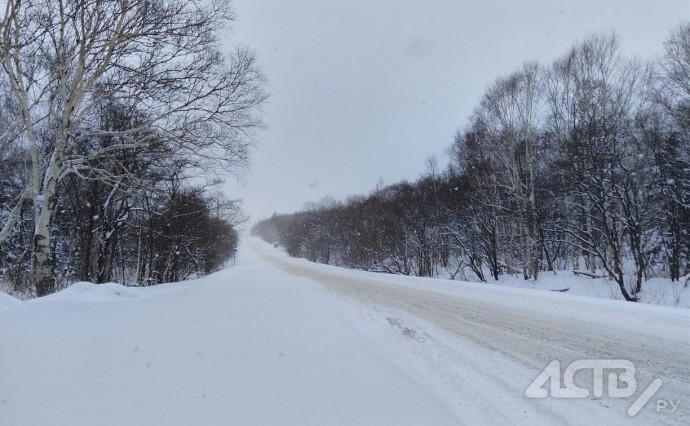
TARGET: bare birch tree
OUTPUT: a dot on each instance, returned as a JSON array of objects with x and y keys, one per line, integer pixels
[
  {"x": 594, "y": 96},
  {"x": 512, "y": 109},
  {"x": 667, "y": 130},
  {"x": 64, "y": 58}
]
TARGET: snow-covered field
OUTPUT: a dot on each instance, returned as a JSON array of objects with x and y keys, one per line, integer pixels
[{"x": 263, "y": 343}]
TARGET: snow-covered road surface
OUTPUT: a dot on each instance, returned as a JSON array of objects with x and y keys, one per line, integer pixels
[
  {"x": 249, "y": 345},
  {"x": 533, "y": 328},
  {"x": 254, "y": 345}
]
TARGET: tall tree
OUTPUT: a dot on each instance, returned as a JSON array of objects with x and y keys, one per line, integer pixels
[
  {"x": 512, "y": 110},
  {"x": 594, "y": 96},
  {"x": 666, "y": 127},
  {"x": 65, "y": 58}
]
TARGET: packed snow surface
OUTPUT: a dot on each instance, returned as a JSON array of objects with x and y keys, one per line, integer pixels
[{"x": 274, "y": 340}]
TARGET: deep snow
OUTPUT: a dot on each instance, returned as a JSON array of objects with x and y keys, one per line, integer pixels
[
  {"x": 254, "y": 345},
  {"x": 247, "y": 345}
]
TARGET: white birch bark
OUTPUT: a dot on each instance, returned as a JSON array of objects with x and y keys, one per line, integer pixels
[{"x": 64, "y": 59}]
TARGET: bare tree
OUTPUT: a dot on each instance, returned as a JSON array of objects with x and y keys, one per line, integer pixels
[
  {"x": 512, "y": 110},
  {"x": 594, "y": 96},
  {"x": 65, "y": 58},
  {"x": 476, "y": 228},
  {"x": 666, "y": 130}
]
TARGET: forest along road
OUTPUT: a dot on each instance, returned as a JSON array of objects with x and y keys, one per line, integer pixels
[{"x": 530, "y": 326}]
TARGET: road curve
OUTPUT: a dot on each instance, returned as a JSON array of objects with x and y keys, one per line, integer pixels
[{"x": 534, "y": 337}]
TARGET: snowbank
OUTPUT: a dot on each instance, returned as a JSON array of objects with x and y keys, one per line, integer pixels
[
  {"x": 7, "y": 301},
  {"x": 656, "y": 291},
  {"x": 89, "y": 292}
]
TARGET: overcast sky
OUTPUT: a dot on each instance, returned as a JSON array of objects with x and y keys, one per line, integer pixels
[{"x": 367, "y": 90}]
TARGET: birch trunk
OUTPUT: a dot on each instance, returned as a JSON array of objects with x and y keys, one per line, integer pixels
[{"x": 591, "y": 262}]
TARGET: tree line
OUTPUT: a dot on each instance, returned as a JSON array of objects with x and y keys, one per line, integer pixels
[
  {"x": 115, "y": 117},
  {"x": 583, "y": 164}
]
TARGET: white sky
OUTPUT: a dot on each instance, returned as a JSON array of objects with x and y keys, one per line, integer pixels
[{"x": 362, "y": 90}]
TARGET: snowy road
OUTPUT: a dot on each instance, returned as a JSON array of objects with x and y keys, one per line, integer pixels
[
  {"x": 280, "y": 341},
  {"x": 533, "y": 328},
  {"x": 249, "y": 345}
]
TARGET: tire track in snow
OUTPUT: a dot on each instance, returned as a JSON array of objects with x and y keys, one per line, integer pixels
[{"x": 531, "y": 337}]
